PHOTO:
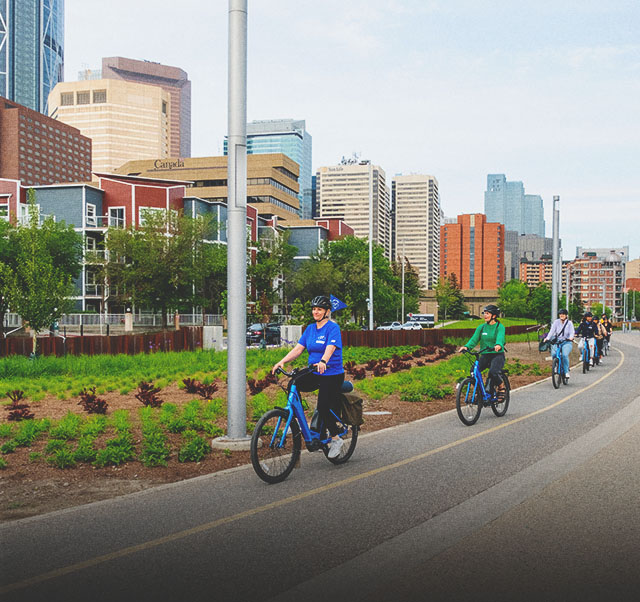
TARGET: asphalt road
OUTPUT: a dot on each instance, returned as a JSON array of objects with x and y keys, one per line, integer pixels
[{"x": 539, "y": 505}]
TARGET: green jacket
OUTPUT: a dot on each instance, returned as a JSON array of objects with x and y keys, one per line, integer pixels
[{"x": 488, "y": 335}]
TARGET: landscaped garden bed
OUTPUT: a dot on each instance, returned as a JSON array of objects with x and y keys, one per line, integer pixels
[{"x": 160, "y": 431}]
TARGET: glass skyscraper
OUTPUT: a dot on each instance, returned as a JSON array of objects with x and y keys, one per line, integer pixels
[
  {"x": 290, "y": 137},
  {"x": 31, "y": 50},
  {"x": 505, "y": 202}
]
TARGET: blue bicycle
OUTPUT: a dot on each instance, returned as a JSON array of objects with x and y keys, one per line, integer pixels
[
  {"x": 558, "y": 369},
  {"x": 585, "y": 355},
  {"x": 473, "y": 394},
  {"x": 277, "y": 438}
]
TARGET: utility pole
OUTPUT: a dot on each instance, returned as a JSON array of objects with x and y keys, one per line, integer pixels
[
  {"x": 402, "y": 314},
  {"x": 556, "y": 253},
  {"x": 237, "y": 229},
  {"x": 370, "y": 246}
]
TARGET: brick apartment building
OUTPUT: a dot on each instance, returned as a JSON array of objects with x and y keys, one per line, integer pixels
[
  {"x": 533, "y": 273},
  {"x": 38, "y": 150},
  {"x": 473, "y": 250},
  {"x": 120, "y": 201}
]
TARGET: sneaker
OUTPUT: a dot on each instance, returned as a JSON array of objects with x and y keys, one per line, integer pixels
[
  {"x": 567, "y": 375},
  {"x": 335, "y": 447},
  {"x": 591, "y": 362}
]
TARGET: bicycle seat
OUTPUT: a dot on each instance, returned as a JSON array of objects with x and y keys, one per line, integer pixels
[{"x": 347, "y": 387}]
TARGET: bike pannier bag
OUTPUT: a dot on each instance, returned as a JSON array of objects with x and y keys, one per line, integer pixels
[{"x": 352, "y": 409}]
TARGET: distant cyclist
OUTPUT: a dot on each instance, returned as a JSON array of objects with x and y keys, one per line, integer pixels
[
  {"x": 608, "y": 326},
  {"x": 600, "y": 335},
  {"x": 491, "y": 336},
  {"x": 562, "y": 331},
  {"x": 587, "y": 329}
]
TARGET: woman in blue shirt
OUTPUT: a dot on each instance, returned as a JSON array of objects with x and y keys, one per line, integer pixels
[{"x": 323, "y": 341}]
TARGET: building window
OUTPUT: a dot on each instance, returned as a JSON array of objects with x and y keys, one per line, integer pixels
[
  {"x": 66, "y": 99},
  {"x": 99, "y": 96},
  {"x": 164, "y": 107},
  {"x": 83, "y": 98},
  {"x": 91, "y": 214}
]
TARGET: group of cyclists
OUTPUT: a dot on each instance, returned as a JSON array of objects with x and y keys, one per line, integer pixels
[
  {"x": 593, "y": 330},
  {"x": 322, "y": 340}
]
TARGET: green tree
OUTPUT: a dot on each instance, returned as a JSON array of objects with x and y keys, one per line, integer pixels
[
  {"x": 159, "y": 264},
  {"x": 539, "y": 304},
  {"x": 513, "y": 297},
  {"x": 40, "y": 282},
  {"x": 576, "y": 309},
  {"x": 7, "y": 259},
  {"x": 272, "y": 268},
  {"x": 411, "y": 286},
  {"x": 449, "y": 298}
]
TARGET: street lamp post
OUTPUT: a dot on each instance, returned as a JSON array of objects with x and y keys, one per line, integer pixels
[
  {"x": 370, "y": 246},
  {"x": 554, "y": 265}
]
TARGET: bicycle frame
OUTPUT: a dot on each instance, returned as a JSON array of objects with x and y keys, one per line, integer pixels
[
  {"x": 476, "y": 374},
  {"x": 557, "y": 353},
  {"x": 295, "y": 410}
]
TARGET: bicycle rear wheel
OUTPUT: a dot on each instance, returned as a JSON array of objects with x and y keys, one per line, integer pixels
[
  {"x": 500, "y": 407},
  {"x": 468, "y": 401},
  {"x": 555, "y": 373},
  {"x": 350, "y": 438},
  {"x": 274, "y": 452}
]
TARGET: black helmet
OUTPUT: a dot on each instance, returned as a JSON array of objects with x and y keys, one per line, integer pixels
[
  {"x": 321, "y": 301},
  {"x": 492, "y": 309},
  {"x": 563, "y": 311},
  {"x": 588, "y": 315}
]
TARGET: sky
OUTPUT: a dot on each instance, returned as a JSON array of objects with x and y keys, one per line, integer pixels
[{"x": 546, "y": 92}]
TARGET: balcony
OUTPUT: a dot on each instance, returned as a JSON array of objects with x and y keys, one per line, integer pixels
[
  {"x": 95, "y": 290},
  {"x": 96, "y": 256},
  {"x": 103, "y": 221}
]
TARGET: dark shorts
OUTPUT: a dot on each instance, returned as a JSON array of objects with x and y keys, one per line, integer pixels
[{"x": 328, "y": 388}]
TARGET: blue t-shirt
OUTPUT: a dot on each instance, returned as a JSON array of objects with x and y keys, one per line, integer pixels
[{"x": 316, "y": 340}]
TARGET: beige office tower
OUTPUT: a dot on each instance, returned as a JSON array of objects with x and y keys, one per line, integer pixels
[
  {"x": 416, "y": 234},
  {"x": 126, "y": 121},
  {"x": 343, "y": 191}
]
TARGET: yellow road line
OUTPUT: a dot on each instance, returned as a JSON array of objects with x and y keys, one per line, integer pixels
[{"x": 252, "y": 512}]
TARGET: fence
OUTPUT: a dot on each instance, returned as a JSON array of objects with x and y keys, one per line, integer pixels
[
  {"x": 399, "y": 338},
  {"x": 139, "y": 320},
  {"x": 185, "y": 339}
]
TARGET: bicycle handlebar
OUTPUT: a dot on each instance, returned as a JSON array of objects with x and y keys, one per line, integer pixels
[
  {"x": 295, "y": 372},
  {"x": 478, "y": 353}
]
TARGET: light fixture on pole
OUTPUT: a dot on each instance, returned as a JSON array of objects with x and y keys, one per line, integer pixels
[{"x": 402, "y": 314}]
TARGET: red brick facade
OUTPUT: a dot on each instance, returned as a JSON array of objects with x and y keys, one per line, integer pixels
[
  {"x": 39, "y": 150},
  {"x": 473, "y": 250}
]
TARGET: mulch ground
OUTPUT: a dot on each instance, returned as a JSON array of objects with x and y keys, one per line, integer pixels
[{"x": 30, "y": 488}]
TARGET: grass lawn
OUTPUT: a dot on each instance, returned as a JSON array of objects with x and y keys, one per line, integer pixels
[{"x": 505, "y": 321}]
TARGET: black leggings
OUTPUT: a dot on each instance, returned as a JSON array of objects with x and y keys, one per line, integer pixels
[
  {"x": 328, "y": 387},
  {"x": 495, "y": 361}
]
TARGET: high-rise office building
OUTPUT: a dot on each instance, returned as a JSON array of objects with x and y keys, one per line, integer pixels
[
  {"x": 416, "y": 225},
  {"x": 290, "y": 137},
  {"x": 173, "y": 80},
  {"x": 31, "y": 50},
  {"x": 473, "y": 250},
  {"x": 506, "y": 203},
  {"x": 125, "y": 120},
  {"x": 343, "y": 191},
  {"x": 39, "y": 150}
]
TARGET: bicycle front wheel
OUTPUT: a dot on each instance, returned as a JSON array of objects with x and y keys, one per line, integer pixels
[
  {"x": 468, "y": 401},
  {"x": 555, "y": 373},
  {"x": 274, "y": 450},
  {"x": 350, "y": 438},
  {"x": 500, "y": 407}
]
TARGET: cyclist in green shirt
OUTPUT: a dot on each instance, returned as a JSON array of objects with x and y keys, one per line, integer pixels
[{"x": 491, "y": 336}]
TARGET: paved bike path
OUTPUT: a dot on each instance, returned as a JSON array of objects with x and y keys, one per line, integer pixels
[{"x": 232, "y": 537}]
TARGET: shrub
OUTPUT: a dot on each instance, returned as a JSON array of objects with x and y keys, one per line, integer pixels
[
  {"x": 119, "y": 450},
  {"x": 62, "y": 458},
  {"x": 18, "y": 411},
  {"x": 8, "y": 447},
  {"x": 67, "y": 428},
  {"x": 190, "y": 385},
  {"x": 91, "y": 403},
  {"x": 6, "y": 430},
  {"x": 148, "y": 394},
  {"x": 3, "y": 464},
  {"x": 30, "y": 430},
  {"x": 85, "y": 451},
  {"x": 194, "y": 449}
]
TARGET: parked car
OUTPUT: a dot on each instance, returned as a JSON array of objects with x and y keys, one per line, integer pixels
[
  {"x": 257, "y": 332},
  {"x": 411, "y": 325},
  {"x": 390, "y": 326}
]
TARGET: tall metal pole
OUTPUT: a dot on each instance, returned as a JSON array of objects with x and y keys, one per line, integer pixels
[
  {"x": 556, "y": 253},
  {"x": 370, "y": 246},
  {"x": 402, "y": 314},
  {"x": 567, "y": 293},
  {"x": 604, "y": 298},
  {"x": 237, "y": 222}
]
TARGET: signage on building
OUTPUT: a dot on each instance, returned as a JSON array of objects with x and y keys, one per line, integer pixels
[{"x": 163, "y": 164}]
